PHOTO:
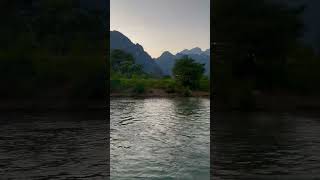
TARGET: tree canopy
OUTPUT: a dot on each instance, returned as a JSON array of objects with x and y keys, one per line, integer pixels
[
  {"x": 48, "y": 45},
  {"x": 124, "y": 64},
  {"x": 187, "y": 72},
  {"x": 264, "y": 29}
]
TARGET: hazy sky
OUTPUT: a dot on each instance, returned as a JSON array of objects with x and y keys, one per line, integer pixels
[{"x": 163, "y": 25}]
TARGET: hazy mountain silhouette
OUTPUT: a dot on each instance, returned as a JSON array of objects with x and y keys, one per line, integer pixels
[
  {"x": 120, "y": 41},
  {"x": 167, "y": 60}
]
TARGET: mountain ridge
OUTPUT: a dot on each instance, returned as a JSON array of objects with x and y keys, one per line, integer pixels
[
  {"x": 162, "y": 65},
  {"x": 122, "y": 42},
  {"x": 167, "y": 60}
]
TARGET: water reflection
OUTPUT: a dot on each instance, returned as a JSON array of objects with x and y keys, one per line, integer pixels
[
  {"x": 265, "y": 145},
  {"x": 53, "y": 146},
  {"x": 163, "y": 138}
]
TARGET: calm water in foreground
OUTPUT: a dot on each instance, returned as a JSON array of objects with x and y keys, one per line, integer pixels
[
  {"x": 160, "y": 138},
  {"x": 43, "y": 146},
  {"x": 266, "y": 146}
]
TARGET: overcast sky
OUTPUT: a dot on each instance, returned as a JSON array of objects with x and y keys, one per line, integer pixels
[{"x": 163, "y": 25}]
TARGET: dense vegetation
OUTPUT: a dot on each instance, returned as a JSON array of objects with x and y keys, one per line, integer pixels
[
  {"x": 188, "y": 73},
  {"x": 259, "y": 48},
  {"x": 128, "y": 78},
  {"x": 51, "y": 49},
  {"x": 122, "y": 63}
]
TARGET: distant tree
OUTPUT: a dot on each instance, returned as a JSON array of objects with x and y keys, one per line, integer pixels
[
  {"x": 51, "y": 44},
  {"x": 263, "y": 29},
  {"x": 187, "y": 72},
  {"x": 123, "y": 63}
]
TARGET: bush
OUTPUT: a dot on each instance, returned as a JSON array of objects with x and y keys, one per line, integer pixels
[
  {"x": 115, "y": 84},
  {"x": 139, "y": 88},
  {"x": 187, "y": 72},
  {"x": 171, "y": 88},
  {"x": 187, "y": 92}
]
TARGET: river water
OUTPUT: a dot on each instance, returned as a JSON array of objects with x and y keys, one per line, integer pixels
[
  {"x": 159, "y": 138},
  {"x": 52, "y": 145},
  {"x": 266, "y": 145}
]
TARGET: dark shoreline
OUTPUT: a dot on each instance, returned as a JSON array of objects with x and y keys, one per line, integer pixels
[
  {"x": 262, "y": 102},
  {"x": 159, "y": 93},
  {"x": 274, "y": 103},
  {"x": 52, "y": 105}
]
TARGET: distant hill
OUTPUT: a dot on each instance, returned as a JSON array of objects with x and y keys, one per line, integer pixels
[
  {"x": 120, "y": 41},
  {"x": 167, "y": 60}
]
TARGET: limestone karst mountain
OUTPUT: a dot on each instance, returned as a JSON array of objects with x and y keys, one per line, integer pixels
[
  {"x": 167, "y": 60},
  {"x": 120, "y": 41},
  {"x": 162, "y": 65}
]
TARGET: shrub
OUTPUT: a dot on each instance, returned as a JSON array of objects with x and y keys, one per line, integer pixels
[
  {"x": 187, "y": 92},
  {"x": 139, "y": 88},
  {"x": 171, "y": 88}
]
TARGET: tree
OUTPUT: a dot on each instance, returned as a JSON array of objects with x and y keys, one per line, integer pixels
[
  {"x": 187, "y": 72},
  {"x": 51, "y": 44},
  {"x": 123, "y": 63},
  {"x": 264, "y": 29}
]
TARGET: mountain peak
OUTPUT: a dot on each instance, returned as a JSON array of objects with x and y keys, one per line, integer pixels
[
  {"x": 195, "y": 50},
  {"x": 140, "y": 47},
  {"x": 166, "y": 53},
  {"x": 121, "y": 38},
  {"x": 122, "y": 42},
  {"x": 116, "y": 32}
]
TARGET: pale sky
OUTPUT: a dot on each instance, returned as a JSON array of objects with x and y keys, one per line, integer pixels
[{"x": 163, "y": 25}]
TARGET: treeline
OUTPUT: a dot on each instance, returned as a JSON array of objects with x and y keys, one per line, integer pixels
[
  {"x": 259, "y": 47},
  {"x": 128, "y": 77},
  {"x": 52, "y": 48}
]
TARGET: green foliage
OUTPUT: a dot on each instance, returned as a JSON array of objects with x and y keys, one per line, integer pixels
[
  {"x": 204, "y": 85},
  {"x": 269, "y": 33},
  {"x": 139, "y": 88},
  {"x": 171, "y": 88},
  {"x": 186, "y": 91},
  {"x": 123, "y": 64},
  {"x": 264, "y": 29},
  {"x": 51, "y": 48},
  {"x": 188, "y": 73}
]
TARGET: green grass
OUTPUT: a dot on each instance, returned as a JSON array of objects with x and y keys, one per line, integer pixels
[{"x": 140, "y": 85}]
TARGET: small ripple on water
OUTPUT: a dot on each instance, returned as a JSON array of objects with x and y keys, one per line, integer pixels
[
  {"x": 273, "y": 146},
  {"x": 50, "y": 145},
  {"x": 164, "y": 139}
]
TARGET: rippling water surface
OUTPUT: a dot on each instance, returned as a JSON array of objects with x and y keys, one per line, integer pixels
[
  {"x": 266, "y": 145},
  {"x": 53, "y": 146},
  {"x": 160, "y": 138}
]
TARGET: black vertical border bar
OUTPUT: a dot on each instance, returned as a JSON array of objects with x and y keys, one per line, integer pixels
[
  {"x": 212, "y": 48},
  {"x": 107, "y": 98}
]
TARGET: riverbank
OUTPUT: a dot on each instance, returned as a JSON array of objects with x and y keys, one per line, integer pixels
[
  {"x": 284, "y": 102},
  {"x": 52, "y": 105},
  {"x": 262, "y": 102},
  {"x": 159, "y": 93}
]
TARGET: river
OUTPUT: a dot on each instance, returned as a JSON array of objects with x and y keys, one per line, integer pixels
[
  {"x": 160, "y": 138},
  {"x": 53, "y": 145},
  {"x": 266, "y": 145}
]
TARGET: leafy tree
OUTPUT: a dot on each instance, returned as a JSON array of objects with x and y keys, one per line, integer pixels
[
  {"x": 263, "y": 29},
  {"x": 52, "y": 45},
  {"x": 123, "y": 63},
  {"x": 187, "y": 72}
]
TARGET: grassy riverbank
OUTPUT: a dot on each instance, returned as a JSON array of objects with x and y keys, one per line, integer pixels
[
  {"x": 268, "y": 101},
  {"x": 150, "y": 87}
]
